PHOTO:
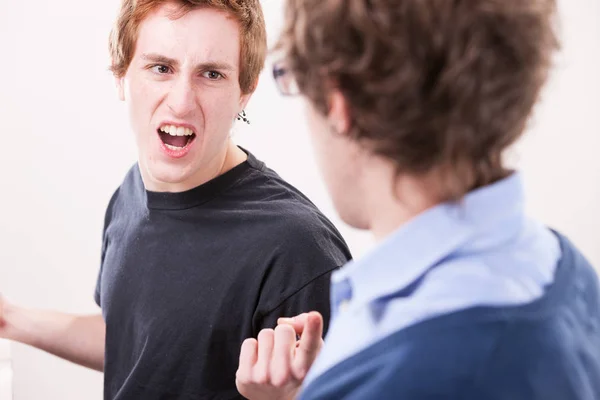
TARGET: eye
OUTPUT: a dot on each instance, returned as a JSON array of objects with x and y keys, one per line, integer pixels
[
  {"x": 160, "y": 69},
  {"x": 213, "y": 75}
]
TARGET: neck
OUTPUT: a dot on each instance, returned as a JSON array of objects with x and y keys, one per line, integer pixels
[
  {"x": 390, "y": 200},
  {"x": 226, "y": 160}
]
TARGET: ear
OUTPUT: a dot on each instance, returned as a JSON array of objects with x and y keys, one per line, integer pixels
[
  {"x": 120, "y": 88},
  {"x": 338, "y": 116},
  {"x": 244, "y": 99}
]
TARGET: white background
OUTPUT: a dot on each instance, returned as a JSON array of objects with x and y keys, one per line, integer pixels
[{"x": 66, "y": 146}]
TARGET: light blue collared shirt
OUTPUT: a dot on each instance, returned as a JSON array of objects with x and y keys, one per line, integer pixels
[{"x": 481, "y": 251}]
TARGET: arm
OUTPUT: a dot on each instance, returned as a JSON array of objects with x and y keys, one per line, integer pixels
[
  {"x": 76, "y": 338},
  {"x": 79, "y": 339},
  {"x": 274, "y": 365}
]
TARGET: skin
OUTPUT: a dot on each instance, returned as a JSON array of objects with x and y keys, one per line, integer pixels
[
  {"x": 173, "y": 77},
  {"x": 367, "y": 194},
  {"x": 176, "y": 78}
]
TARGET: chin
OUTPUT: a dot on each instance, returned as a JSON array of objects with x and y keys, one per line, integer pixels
[
  {"x": 355, "y": 222},
  {"x": 351, "y": 213},
  {"x": 167, "y": 173}
]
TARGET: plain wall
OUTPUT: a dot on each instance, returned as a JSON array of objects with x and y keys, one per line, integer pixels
[{"x": 66, "y": 147}]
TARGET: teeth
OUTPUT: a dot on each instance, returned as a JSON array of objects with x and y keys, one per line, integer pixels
[
  {"x": 176, "y": 130},
  {"x": 173, "y": 147}
]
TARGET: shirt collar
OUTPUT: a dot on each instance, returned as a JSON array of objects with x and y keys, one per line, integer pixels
[{"x": 485, "y": 216}]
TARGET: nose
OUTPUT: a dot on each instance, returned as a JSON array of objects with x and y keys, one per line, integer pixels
[{"x": 182, "y": 98}]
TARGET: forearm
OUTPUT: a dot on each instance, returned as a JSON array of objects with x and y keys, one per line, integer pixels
[{"x": 79, "y": 339}]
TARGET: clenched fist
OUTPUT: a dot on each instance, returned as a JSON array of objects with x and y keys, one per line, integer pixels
[{"x": 274, "y": 366}]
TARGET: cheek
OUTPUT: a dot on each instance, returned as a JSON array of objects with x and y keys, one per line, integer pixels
[
  {"x": 333, "y": 153},
  {"x": 319, "y": 133},
  {"x": 141, "y": 98},
  {"x": 219, "y": 109}
]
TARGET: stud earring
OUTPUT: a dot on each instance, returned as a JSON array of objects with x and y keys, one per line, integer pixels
[
  {"x": 242, "y": 117},
  {"x": 335, "y": 127}
]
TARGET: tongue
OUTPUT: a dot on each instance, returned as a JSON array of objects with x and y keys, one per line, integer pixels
[{"x": 178, "y": 141}]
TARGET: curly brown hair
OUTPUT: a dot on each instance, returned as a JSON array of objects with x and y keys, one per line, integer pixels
[
  {"x": 249, "y": 14},
  {"x": 440, "y": 87}
]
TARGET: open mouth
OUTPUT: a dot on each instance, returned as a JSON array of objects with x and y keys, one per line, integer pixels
[{"x": 176, "y": 137}]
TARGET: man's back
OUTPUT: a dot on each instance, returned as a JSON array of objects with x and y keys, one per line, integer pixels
[{"x": 544, "y": 350}]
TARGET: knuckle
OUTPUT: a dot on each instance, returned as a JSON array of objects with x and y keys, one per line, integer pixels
[
  {"x": 283, "y": 328},
  {"x": 261, "y": 378},
  {"x": 280, "y": 379},
  {"x": 301, "y": 372},
  {"x": 241, "y": 377}
]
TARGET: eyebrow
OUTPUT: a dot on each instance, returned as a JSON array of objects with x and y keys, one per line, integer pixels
[{"x": 206, "y": 66}]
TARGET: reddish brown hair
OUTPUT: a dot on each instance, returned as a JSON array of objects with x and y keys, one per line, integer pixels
[
  {"x": 440, "y": 87},
  {"x": 253, "y": 37}
]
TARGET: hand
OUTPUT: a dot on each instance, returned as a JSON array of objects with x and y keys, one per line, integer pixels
[
  {"x": 5, "y": 325},
  {"x": 274, "y": 366}
]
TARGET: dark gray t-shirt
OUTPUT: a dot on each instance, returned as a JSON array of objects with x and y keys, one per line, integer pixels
[{"x": 186, "y": 277}]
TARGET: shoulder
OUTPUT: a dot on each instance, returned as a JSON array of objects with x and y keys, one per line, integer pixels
[
  {"x": 479, "y": 350},
  {"x": 483, "y": 352},
  {"x": 128, "y": 185},
  {"x": 302, "y": 232},
  {"x": 288, "y": 219},
  {"x": 427, "y": 361}
]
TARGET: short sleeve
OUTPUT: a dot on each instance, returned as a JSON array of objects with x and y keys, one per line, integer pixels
[
  {"x": 298, "y": 278},
  {"x": 315, "y": 296},
  {"x": 107, "y": 218}
]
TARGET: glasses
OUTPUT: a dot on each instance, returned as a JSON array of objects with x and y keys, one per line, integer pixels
[{"x": 284, "y": 80}]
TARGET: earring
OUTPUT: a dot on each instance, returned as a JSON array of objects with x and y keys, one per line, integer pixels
[
  {"x": 242, "y": 117},
  {"x": 335, "y": 127}
]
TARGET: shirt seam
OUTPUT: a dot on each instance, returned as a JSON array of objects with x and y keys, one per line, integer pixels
[
  {"x": 266, "y": 313},
  {"x": 207, "y": 201}
]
